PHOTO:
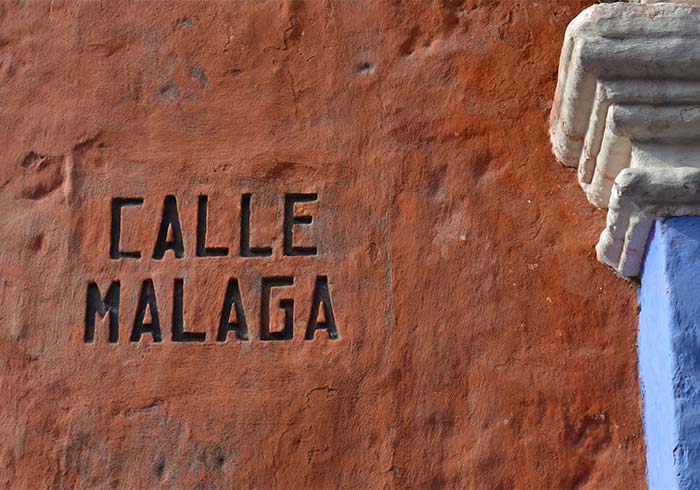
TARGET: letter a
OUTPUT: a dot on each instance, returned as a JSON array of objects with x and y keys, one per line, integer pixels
[
  {"x": 240, "y": 326},
  {"x": 322, "y": 295}
]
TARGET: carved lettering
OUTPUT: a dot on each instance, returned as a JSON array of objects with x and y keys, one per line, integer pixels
[
  {"x": 116, "y": 228},
  {"x": 246, "y": 249},
  {"x": 170, "y": 232},
  {"x": 96, "y": 305},
  {"x": 179, "y": 333},
  {"x": 291, "y": 219},
  {"x": 233, "y": 316},
  {"x": 147, "y": 307},
  {"x": 202, "y": 249},
  {"x": 321, "y": 297},
  {"x": 233, "y": 303},
  {"x": 286, "y": 304}
]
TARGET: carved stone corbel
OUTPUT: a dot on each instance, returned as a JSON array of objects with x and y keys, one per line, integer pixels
[{"x": 627, "y": 115}]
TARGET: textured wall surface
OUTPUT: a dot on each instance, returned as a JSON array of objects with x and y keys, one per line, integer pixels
[
  {"x": 669, "y": 353},
  {"x": 480, "y": 343},
  {"x": 656, "y": 362}
]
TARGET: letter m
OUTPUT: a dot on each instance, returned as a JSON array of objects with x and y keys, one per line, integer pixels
[{"x": 96, "y": 305}]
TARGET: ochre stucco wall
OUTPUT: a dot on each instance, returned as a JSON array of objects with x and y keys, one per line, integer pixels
[{"x": 481, "y": 344}]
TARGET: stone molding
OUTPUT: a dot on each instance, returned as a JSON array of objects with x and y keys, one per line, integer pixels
[
  {"x": 626, "y": 114},
  {"x": 641, "y": 195},
  {"x": 687, "y": 2}
]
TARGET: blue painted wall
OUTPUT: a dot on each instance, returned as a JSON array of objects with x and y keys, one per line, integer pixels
[{"x": 669, "y": 353}]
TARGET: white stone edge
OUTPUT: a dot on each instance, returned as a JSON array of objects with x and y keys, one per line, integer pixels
[
  {"x": 629, "y": 77},
  {"x": 616, "y": 42},
  {"x": 640, "y": 196},
  {"x": 626, "y": 125}
]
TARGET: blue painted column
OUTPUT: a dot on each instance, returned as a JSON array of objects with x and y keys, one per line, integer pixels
[{"x": 669, "y": 353}]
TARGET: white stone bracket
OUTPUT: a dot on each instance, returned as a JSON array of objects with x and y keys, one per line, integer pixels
[
  {"x": 639, "y": 196},
  {"x": 627, "y": 114}
]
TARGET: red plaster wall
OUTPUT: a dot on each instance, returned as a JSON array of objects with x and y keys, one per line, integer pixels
[{"x": 481, "y": 344}]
